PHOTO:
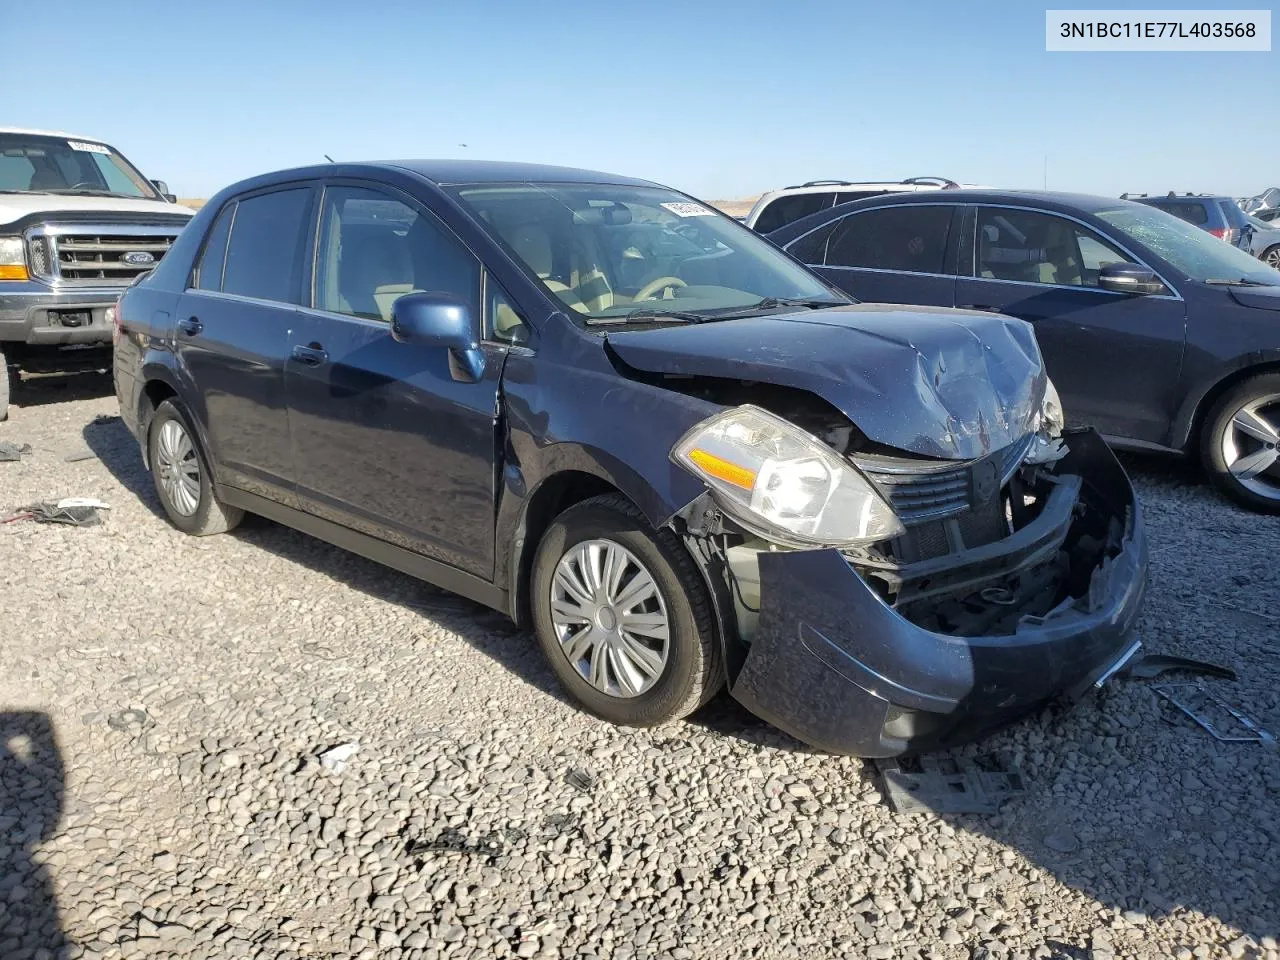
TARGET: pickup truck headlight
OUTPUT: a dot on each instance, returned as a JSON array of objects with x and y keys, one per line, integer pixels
[
  {"x": 13, "y": 264},
  {"x": 782, "y": 483}
]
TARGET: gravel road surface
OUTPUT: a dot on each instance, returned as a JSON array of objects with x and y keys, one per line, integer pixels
[{"x": 165, "y": 703}]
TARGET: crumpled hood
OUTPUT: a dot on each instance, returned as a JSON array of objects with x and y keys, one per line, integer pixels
[
  {"x": 15, "y": 206},
  {"x": 944, "y": 383}
]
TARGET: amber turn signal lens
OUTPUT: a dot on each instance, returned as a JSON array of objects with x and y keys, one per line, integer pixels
[
  {"x": 13, "y": 272},
  {"x": 724, "y": 469}
]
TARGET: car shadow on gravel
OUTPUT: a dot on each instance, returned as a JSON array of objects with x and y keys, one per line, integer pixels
[
  {"x": 113, "y": 444},
  {"x": 31, "y": 802},
  {"x": 37, "y": 391}
]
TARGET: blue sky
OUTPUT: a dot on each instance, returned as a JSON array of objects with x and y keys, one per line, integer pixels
[{"x": 719, "y": 98}]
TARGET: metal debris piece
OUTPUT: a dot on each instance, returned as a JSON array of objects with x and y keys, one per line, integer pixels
[
  {"x": 335, "y": 758},
  {"x": 12, "y": 452},
  {"x": 948, "y": 784},
  {"x": 1154, "y": 664},
  {"x": 453, "y": 840},
  {"x": 74, "y": 511},
  {"x": 1213, "y": 714},
  {"x": 580, "y": 779},
  {"x": 104, "y": 418},
  {"x": 124, "y": 719}
]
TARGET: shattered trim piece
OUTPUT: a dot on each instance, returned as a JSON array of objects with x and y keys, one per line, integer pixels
[
  {"x": 946, "y": 784},
  {"x": 1183, "y": 696}
]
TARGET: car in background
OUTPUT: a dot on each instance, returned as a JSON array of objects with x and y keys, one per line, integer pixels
[
  {"x": 78, "y": 223},
  {"x": 1220, "y": 216},
  {"x": 1155, "y": 332},
  {"x": 777, "y": 208},
  {"x": 1268, "y": 199},
  {"x": 1264, "y": 241},
  {"x": 615, "y": 414},
  {"x": 1266, "y": 214}
]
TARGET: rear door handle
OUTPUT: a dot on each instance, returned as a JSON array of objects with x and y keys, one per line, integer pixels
[
  {"x": 191, "y": 326},
  {"x": 312, "y": 356}
]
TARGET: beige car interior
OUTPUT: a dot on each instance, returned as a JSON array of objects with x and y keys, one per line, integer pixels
[
  {"x": 588, "y": 289},
  {"x": 1045, "y": 253}
]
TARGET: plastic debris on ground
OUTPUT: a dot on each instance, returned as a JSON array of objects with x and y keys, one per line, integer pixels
[
  {"x": 12, "y": 452},
  {"x": 105, "y": 418},
  {"x": 580, "y": 779},
  {"x": 73, "y": 511},
  {"x": 1155, "y": 664},
  {"x": 453, "y": 840},
  {"x": 950, "y": 784},
  {"x": 1213, "y": 714},
  {"x": 335, "y": 759},
  {"x": 123, "y": 720},
  {"x": 75, "y": 456}
]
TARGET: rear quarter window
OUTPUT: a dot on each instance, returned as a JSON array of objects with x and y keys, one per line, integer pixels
[{"x": 1190, "y": 212}]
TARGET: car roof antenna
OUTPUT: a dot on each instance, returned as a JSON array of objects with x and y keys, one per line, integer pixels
[{"x": 329, "y": 158}]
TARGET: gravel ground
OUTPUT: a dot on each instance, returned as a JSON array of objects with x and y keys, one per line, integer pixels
[{"x": 484, "y": 816}]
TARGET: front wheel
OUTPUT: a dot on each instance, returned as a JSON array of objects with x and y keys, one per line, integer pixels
[
  {"x": 182, "y": 477},
  {"x": 623, "y": 616},
  {"x": 1271, "y": 256},
  {"x": 1240, "y": 445}
]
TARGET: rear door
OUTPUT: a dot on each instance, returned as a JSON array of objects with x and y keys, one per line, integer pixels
[
  {"x": 893, "y": 254},
  {"x": 232, "y": 334},
  {"x": 1115, "y": 358},
  {"x": 385, "y": 439}
]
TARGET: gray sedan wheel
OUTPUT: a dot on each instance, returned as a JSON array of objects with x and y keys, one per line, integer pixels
[
  {"x": 623, "y": 616},
  {"x": 1241, "y": 443},
  {"x": 182, "y": 477},
  {"x": 1271, "y": 256}
]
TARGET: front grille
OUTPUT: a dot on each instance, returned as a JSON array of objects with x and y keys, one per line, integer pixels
[
  {"x": 922, "y": 490},
  {"x": 109, "y": 256}
]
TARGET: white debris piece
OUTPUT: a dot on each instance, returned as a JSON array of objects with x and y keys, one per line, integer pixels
[{"x": 335, "y": 759}]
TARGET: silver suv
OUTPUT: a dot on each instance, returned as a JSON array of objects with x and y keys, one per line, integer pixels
[{"x": 777, "y": 208}]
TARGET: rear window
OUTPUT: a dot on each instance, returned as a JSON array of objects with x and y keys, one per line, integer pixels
[
  {"x": 264, "y": 257},
  {"x": 1190, "y": 212},
  {"x": 790, "y": 208}
]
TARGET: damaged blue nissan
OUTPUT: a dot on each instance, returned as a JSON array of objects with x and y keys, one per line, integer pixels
[{"x": 628, "y": 422}]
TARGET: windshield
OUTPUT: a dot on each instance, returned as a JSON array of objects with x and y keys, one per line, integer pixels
[
  {"x": 32, "y": 163},
  {"x": 606, "y": 251},
  {"x": 1198, "y": 254}
]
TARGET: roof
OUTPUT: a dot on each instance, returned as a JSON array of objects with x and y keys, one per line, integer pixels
[
  {"x": 495, "y": 171},
  {"x": 1079, "y": 201},
  {"x": 51, "y": 133}
]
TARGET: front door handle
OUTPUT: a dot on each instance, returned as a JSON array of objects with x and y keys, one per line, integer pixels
[
  {"x": 312, "y": 355},
  {"x": 191, "y": 326}
]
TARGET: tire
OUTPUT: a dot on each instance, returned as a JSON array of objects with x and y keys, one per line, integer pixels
[
  {"x": 4, "y": 386},
  {"x": 1271, "y": 256},
  {"x": 691, "y": 671},
  {"x": 1241, "y": 432},
  {"x": 192, "y": 506}
]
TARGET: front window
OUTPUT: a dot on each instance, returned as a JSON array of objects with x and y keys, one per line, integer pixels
[
  {"x": 606, "y": 251},
  {"x": 31, "y": 163},
  {"x": 1197, "y": 254},
  {"x": 1030, "y": 247}
]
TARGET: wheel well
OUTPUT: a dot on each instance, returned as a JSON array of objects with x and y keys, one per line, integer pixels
[
  {"x": 154, "y": 393},
  {"x": 554, "y": 495},
  {"x": 1210, "y": 399}
]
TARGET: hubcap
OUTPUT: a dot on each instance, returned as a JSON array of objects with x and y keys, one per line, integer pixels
[
  {"x": 1251, "y": 446},
  {"x": 178, "y": 468},
  {"x": 610, "y": 618},
  {"x": 1272, "y": 257}
]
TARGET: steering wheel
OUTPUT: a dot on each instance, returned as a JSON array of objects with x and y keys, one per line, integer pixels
[{"x": 653, "y": 286}]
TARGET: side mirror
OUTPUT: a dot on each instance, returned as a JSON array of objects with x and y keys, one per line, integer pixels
[
  {"x": 163, "y": 189},
  {"x": 1129, "y": 278},
  {"x": 439, "y": 320}
]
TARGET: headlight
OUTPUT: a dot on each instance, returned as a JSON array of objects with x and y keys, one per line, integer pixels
[
  {"x": 13, "y": 265},
  {"x": 1052, "y": 419},
  {"x": 782, "y": 483}
]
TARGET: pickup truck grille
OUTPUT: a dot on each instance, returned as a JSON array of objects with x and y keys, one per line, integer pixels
[
  {"x": 100, "y": 256},
  {"x": 921, "y": 490}
]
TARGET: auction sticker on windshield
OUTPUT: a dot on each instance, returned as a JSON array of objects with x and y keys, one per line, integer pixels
[
  {"x": 87, "y": 147},
  {"x": 688, "y": 209}
]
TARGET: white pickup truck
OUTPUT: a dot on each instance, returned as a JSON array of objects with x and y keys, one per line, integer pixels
[{"x": 78, "y": 223}]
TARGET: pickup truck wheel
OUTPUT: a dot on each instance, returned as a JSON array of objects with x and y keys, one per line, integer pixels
[
  {"x": 182, "y": 477},
  {"x": 623, "y": 616},
  {"x": 4, "y": 386},
  {"x": 1240, "y": 444}
]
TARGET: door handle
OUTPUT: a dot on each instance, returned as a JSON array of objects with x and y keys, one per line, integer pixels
[
  {"x": 980, "y": 306},
  {"x": 312, "y": 355},
  {"x": 191, "y": 326}
]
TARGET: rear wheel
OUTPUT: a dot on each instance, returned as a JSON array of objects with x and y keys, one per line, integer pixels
[
  {"x": 1271, "y": 256},
  {"x": 182, "y": 477},
  {"x": 1240, "y": 444},
  {"x": 623, "y": 615}
]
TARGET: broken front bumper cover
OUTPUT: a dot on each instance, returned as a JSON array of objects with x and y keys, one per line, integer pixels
[{"x": 833, "y": 665}]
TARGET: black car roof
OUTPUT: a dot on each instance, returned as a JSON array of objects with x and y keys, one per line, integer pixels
[
  {"x": 445, "y": 172},
  {"x": 1059, "y": 202}
]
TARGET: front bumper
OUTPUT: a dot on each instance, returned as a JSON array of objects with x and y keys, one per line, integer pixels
[
  {"x": 35, "y": 313},
  {"x": 833, "y": 665}
]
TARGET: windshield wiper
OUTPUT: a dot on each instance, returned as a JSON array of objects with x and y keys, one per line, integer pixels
[
  {"x": 1242, "y": 282},
  {"x": 88, "y": 192},
  {"x": 774, "y": 303},
  {"x": 645, "y": 315}
]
